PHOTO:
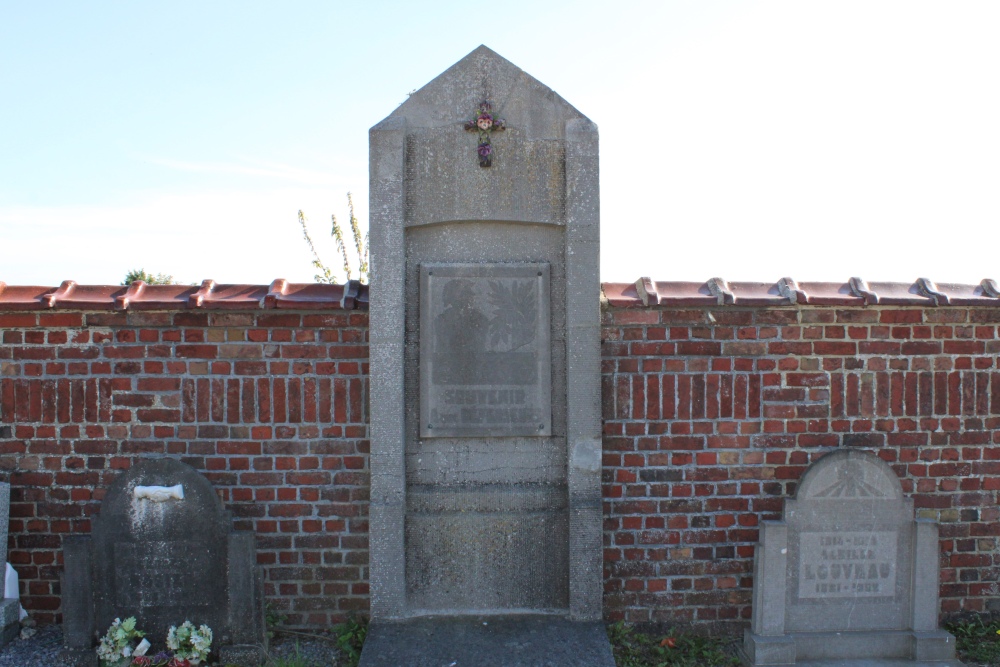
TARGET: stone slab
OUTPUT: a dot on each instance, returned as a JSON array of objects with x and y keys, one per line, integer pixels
[
  {"x": 77, "y": 586},
  {"x": 4, "y": 519},
  {"x": 9, "y": 609},
  {"x": 75, "y": 657},
  {"x": 883, "y": 649},
  {"x": 243, "y": 655},
  {"x": 878, "y": 663},
  {"x": 10, "y": 626},
  {"x": 488, "y": 641}
]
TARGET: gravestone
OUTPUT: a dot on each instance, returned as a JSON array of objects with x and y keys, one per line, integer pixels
[
  {"x": 163, "y": 550},
  {"x": 848, "y": 574},
  {"x": 10, "y": 608},
  {"x": 485, "y": 373}
]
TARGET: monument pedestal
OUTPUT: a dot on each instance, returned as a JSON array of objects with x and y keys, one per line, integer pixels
[
  {"x": 530, "y": 640},
  {"x": 878, "y": 662},
  {"x": 840, "y": 649},
  {"x": 77, "y": 657}
]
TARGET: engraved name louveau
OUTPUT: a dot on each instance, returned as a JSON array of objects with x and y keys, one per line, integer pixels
[
  {"x": 484, "y": 350},
  {"x": 847, "y": 564}
]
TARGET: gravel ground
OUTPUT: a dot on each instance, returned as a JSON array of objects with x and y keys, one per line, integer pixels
[
  {"x": 319, "y": 652},
  {"x": 43, "y": 648}
]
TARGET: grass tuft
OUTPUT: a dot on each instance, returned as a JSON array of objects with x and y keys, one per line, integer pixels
[{"x": 296, "y": 660}]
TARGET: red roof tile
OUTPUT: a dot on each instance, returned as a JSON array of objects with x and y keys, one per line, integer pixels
[
  {"x": 209, "y": 295},
  {"x": 855, "y": 292},
  {"x": 644, "y": 292}
]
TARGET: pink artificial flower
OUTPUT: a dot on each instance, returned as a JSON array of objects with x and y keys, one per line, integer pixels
[
  {"x": 485, "y": 121},
  {"x": 141, "y": 661}
]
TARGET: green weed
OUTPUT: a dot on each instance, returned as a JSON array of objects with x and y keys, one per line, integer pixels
[
  {"x": 273, "y": 618},
  {"x": 351, "y": 639},
  {"x": 977, "y": 640}
]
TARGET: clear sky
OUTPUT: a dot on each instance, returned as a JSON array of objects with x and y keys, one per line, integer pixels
[{"x": 751, "y": 141}]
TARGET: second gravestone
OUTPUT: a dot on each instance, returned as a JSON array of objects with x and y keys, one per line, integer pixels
[
  {"x": 165, "y": 556},
  {"x": 848, "y": 574}
]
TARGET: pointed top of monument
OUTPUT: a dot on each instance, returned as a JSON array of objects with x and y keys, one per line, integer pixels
[{"x": 455, "y": 95}]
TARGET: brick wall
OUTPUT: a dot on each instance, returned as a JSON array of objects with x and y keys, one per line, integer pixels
[
  {"x": 271, "y": 407},
  {"x": 711, "y": 414}
]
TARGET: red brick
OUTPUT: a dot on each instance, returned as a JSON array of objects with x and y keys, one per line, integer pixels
[
  {"x": 196, "y": 351},
  {"x": 901, "y": 316},
  {"x": 11, "y": 320}
]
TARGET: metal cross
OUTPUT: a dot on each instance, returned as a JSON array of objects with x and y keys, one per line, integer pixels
[{"x": 485, "y": 123}]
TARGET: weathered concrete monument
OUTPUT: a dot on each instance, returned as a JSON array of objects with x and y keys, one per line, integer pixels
[
  {"x": 848, "y": 574},
  {"x": 163, "y": 550},
  {"x": 485, "y": 367}
]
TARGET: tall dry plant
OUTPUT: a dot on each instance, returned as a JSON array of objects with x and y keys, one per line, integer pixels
[{"x": 326, "y": 274}]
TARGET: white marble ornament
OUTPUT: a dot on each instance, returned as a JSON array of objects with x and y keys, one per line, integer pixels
[{"x": 158, "y": 494}]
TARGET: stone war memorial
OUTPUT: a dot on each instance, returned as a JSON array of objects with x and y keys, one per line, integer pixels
[
  {"x": 847, "y": 574},
  {"x": 163, "y": 550},
  {"x": 485, "y": 363}
]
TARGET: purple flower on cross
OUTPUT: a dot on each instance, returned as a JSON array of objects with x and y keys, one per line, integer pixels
[{"x": 485, "y": 124}]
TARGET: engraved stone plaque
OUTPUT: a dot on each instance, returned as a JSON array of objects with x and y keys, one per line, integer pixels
[
  {"x": 166, "y": 574},
  {"x": 485, "y": 350},
  {"x": 847, "y": 564}
]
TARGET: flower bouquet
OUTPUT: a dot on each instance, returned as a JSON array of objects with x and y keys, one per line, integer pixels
[
  {"x": 190, "y": 644},
  {"x": 118, "y": 646},
  {"x": 187, "y": 646}
]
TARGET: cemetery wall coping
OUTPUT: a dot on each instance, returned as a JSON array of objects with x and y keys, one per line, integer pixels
[
  {"x": 280, "y": 294},
  {"x": 856, "y": 292},
  {"x": 353, "y": 295}
]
